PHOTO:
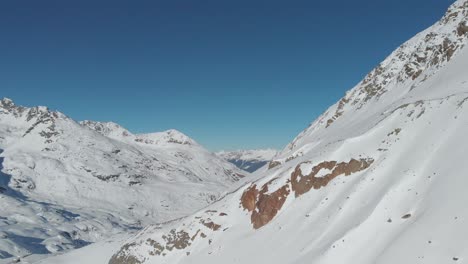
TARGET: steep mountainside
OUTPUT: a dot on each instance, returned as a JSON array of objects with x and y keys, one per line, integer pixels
[
  {"x": 379, "y": 178},
  {"x": 66, "y": 184},
  {"x": 248, "y": 160}
]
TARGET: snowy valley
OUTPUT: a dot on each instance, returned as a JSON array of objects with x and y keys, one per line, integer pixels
[
  {"x": 378, "y": 178},
  {"x": 249, "y": 160}
]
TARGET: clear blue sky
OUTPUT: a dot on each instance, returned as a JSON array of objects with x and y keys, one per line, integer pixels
[{"x": 230, "y": 74}]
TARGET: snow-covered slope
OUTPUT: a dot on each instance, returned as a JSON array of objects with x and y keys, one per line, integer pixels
[
  {"x": 379, "y": 178},
  {"x": 65, "y": 184},
  {"x": 249, "y": 160}
]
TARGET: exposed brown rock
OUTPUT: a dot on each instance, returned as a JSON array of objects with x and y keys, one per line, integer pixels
[
  {"x": 211, "y": 225},
  {"x": 394, "y": 132},
  {"x": 462, "y": 28},
  {"x": 265, "y": 206},
  {"x": 268, "y": 206},
  {"x": 449, "y": 48},
  {"x": 301, "y": 184},
  {"x": 195, "y": 236},
  {"x": 249, "y": 198},
  {"x": 174, "y": 239},
  {"x": 177, "y": 239},
  {"x": 406, "y": 216},
  {"x": 338, "y": 112},
  {"x": 158, "y": 248},
  {"x": 122, "y": 258},
  {"x": 273, "y": 164}
]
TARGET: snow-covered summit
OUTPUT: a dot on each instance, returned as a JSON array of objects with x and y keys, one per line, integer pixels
[
  {"x": 171, "y": 136},
  {"x": 117, "y": 132},
  {"x": 108, "y": 129}
]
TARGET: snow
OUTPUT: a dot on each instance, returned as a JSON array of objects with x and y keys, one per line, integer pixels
[
  {"x": 99, "y": 252},
  {"x": 66, "y": 184},
  {"x": 407, "y": 207}
]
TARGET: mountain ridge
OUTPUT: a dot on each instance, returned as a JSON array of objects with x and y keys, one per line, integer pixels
[{"x": 375, "y": 179}]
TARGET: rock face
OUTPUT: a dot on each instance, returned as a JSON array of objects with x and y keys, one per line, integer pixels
[
  {"x": 59, "y": 176},
  {"x": 462, "y": 28},
  {"x": 264, "y": 205},
  {"x": 373, "y": 179},
  {"x": 408, "y": 67},
  {"x": 301, "y": 184},
  {"x": 175, "y": 240}
]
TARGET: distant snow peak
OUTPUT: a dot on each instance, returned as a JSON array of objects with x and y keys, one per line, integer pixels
[
  {"x": 8, "y": 106},
  {"x": 171, "y": 136},
  {"x": 116, "y": 131},
  {"x": 108, "y": 129},
  {"x": 6, "y": 102}
]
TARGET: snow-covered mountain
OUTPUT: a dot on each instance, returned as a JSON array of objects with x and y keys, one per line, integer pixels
[
  {"x": 64, "y": 184},
  {"x": 249, "y": 160},
  {"x": 380, "y": 177}
]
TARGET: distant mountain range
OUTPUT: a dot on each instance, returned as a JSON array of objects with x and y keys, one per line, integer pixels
[
  {"x": 65, "y": 184},
  {"x": 249, "y": 160}
]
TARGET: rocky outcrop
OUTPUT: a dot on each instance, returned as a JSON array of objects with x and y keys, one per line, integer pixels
[
  {"x": 462, "y": 28},
  {"x": 268, "y": 205},
  {"x": 273, "y": 164},
  {"x": 175, "y": 239},
  {"x": 301, "y": 183},
  {"x": 124, "y": 259},
  {"x": 264, "y": 205},
  {"x": 338, "y": 112},
  {"x": 413, "y": 62},
  {"x": 249, "y": 198}
]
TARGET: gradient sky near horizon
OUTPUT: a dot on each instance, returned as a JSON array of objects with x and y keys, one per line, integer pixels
[{"x": 230, "y": 74}]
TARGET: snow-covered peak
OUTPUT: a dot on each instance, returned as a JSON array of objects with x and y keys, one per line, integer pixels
[
  {"x": 171, "y": 136},
  {"x": 108, "y": 129},
  {"x": 6, "y": 101},
  {"x": 398, "y": 78},
  {"x": 7, "y": 106},
  {"x": 117, "y": 132}
]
